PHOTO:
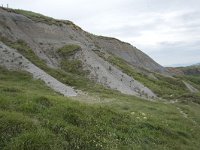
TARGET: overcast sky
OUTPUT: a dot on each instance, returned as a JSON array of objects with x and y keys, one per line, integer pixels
[{"x": 166, "y": 30}]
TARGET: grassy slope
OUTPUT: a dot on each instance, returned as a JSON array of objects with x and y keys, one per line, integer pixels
[{"x": 34, "y": 117}]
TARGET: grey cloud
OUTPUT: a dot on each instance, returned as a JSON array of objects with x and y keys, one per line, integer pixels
[{"x": 179, "y": 53}]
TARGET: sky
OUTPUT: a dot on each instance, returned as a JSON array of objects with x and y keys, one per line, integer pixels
[{"x": 166, "y": 30}]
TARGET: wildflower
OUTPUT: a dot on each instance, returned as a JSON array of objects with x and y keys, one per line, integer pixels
[{"x": 132, "y": 113}]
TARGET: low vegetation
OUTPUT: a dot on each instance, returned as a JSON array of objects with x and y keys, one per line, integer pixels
[
  {"x": 33, "y": 116},
  {"x": 73, "y": 66},
  {"x": 68, "y": 50},
  {"x": 69, "y": 64}
]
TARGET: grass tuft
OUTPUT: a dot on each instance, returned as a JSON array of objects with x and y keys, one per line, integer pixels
[{"x": 68, "y": 50}]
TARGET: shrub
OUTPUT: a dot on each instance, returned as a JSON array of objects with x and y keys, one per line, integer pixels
[
  {"x": 68, "y": 50},
  {"x": 73, "y": 66}
]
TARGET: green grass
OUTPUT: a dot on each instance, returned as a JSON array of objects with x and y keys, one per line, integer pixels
[
  {"x": 67, "y": 63},
  {"x": 32, "y": 116},
  {"x": 68, "y": 50},
  {"x": 73, "y": 66}
]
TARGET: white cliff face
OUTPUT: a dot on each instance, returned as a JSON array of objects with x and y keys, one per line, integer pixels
[
  {"x": 11, "y": 59},
  {"x": 112, "y": 77}
]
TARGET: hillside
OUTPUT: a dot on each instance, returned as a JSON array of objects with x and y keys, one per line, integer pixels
[
  {"x": 191, "y": 70},
  {"x": 188, "y": 70},
  {"x": 64, "y": 88}
]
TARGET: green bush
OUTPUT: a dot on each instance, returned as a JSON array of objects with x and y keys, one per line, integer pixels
[
  {"x": 69, "y": 64},
  {"x": 73, "y": 66},
  {"x": 68, "y": 50}
]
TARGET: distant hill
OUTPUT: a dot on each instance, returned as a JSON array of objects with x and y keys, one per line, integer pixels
[
  {"x": 192, "y": 70},
  {"x": 189, "y": 70}
]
